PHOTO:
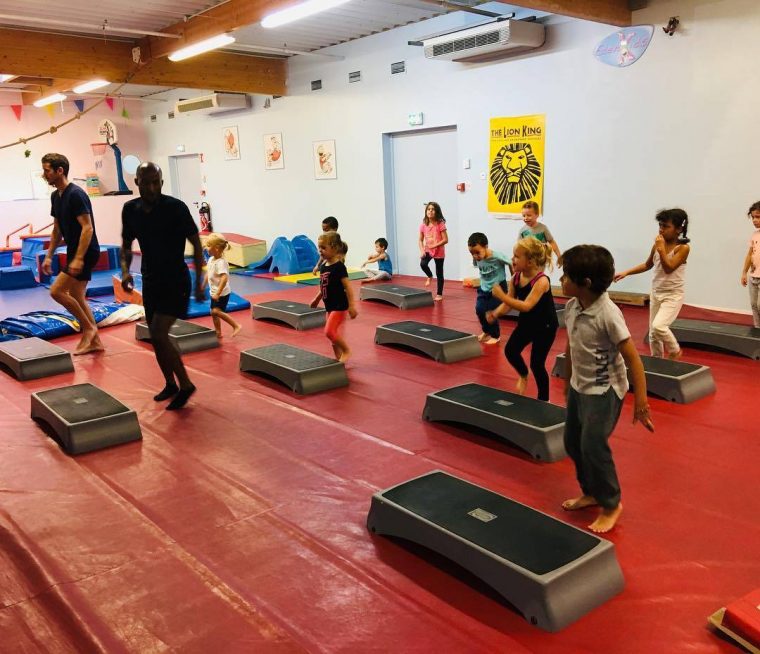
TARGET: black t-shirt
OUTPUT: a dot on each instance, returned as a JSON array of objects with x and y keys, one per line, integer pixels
[
  {"x": 161, "y": 233},
  {"x": 331, "y": 283},
  {"x": 65, "y": 208}
]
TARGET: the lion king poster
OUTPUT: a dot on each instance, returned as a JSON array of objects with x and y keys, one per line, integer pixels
[{"x": 516, "y": 172}]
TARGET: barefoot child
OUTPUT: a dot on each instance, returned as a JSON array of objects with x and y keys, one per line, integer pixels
[
  {"x": 218, "y": 276},
  {"x": 752, "y": 265},
  {"x": 384, "y": 270},
  {"x": 492, "y": 267},
  {"x": 598, "y": 350},
  {"x": 432, "y": 241},
  {"x": 668, "y": 258},
  {"x": 530, "y": 293},
  {"x": 335, "y": 290}
]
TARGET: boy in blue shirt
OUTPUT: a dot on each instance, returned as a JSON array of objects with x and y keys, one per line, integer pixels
[
  {"x": 384, "y": 270},
  {"x": 493, "y": 283}
]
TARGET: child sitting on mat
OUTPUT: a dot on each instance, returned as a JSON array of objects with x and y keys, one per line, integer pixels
[
  {"x": 598, "y": 350},
  {"x": 218, "y": 277},
  {"x": 384, "y": 264},
  {"x": 335, "y": 290}
]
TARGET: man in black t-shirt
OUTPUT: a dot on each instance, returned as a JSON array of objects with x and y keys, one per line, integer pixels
[
  {"x": 161, "y": 224},
  {"x": 75, "y": 224}
]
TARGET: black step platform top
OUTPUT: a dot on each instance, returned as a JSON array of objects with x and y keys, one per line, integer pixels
[
  {"x": 81, "y": 402},
  {"x": 399, "y": 290},
  {"x": 668, "y": 367},
  {"x": 506, "y": 405},
  {"x": 423, "y": 330},
  {"x": 532, "y": 540},
  {"x": 185, "y": 328},
  {"x": 718, "y": 327},
  {"x": 291, "y": 357},
  {"x": 297, "y": 308},
  {"x": 25, "y": 349}
]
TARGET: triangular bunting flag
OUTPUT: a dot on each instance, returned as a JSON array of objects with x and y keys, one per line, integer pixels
[
  {"x": 50, "y": 109},
  {"x": 124, "y": 113},
  {"x": 79, "y": 104},
  {"x": 109, "y": 102},
  {"x": 17, "y": 108}
]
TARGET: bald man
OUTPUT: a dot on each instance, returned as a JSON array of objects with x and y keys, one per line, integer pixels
[{"x": 161, "y": 224}]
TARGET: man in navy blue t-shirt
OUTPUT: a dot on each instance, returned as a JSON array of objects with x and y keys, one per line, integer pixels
[{"x": 75, "y": 224}]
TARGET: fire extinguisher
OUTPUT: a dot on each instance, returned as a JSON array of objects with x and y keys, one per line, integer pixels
[{"x": 204, "y": 214}]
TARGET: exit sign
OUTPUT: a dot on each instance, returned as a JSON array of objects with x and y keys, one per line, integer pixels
[{"x": 415, "y": 119}]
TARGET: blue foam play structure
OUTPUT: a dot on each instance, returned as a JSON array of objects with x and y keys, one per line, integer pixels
[
  {"x": 195, "y": 309},
  {"x": 15, "y": 277},
  {"x": 286, "y": 257},
  {"x": 51, "y": 324}
]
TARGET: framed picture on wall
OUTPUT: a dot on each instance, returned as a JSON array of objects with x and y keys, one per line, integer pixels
[
  {"x": 274, "y": 157},
  {"x": 325, "y": 164},
  {"x": 231, "y": 143}
]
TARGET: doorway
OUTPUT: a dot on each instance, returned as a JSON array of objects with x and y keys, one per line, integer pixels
[
  {"x": 420, "y": 167},
  {"x": 187, "y": 183}
]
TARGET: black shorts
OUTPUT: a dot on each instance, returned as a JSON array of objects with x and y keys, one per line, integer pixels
[
  {"x": 91, "y": 259},
  {"x": 169, "y": 297},
  {"x": 221, "y": 303}
]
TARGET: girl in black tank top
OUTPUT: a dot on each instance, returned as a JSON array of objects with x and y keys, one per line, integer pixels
[{"x": 530, "y": 293}]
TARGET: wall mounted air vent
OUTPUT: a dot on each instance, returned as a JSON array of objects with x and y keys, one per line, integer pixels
[
  {"x": 316, "y": 85},
  {"x": 213, "y": 104},
  {"x": 356, "y": 76},
  {"x": 486, "y": 41},
  {"x": 398, "y": 67}
]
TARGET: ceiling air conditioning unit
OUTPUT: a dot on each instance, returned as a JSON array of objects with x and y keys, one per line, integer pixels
[
  {"x": 486, "y": 41},
  {"x": 213, "y": 104}
]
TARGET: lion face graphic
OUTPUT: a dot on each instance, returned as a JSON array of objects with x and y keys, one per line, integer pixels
[{"x": 515, "y": 173}]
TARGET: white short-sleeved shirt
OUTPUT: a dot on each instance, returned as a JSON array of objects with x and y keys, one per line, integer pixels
[
  {"x": 594, "y": 335},
  {"x": 215, "y": 268}
]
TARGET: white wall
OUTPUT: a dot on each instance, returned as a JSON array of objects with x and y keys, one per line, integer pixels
[
  {"x": 678, "y": 128},
  {"x": 17, "y": 205}
]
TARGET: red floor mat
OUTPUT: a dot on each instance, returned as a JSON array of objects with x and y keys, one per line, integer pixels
[{"x": 238, "y": 524}]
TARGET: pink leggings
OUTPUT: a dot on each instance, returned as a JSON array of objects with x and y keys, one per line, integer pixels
[{"x": 334, "y": 321}]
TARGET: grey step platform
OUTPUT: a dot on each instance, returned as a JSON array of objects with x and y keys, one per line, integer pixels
[
  {"x": 677, "y": 381},
  {"x": 551, "y": 572},
  {"x": 296, "y": 314},
  {"x": 741, "y": 339},
  {"x": 442, "y": 344},
  {"x": 85, "y": 418},
  {"x": 32, "y": 358},
  {"x": 404, "y": 297},
  {"x": 187, "y": 336},
  {"x": 302, "y": 371},
  {"x": 532, "y": 425}
]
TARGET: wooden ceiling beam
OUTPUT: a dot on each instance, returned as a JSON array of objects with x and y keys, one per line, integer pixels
[
  {"x": 39, "y": 54},
  {"x": 44, "y": 90},
  {"x": 227, "y": 17}
]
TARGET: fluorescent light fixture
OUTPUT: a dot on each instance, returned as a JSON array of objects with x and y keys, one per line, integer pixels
[
  {"x": 202, "y": 46},
  {"x": 56, "y": 97},
  {"x": 303, "y": 10},
  {"x": 90, "y": 86},
  {"x": 6, "y": 78}
]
